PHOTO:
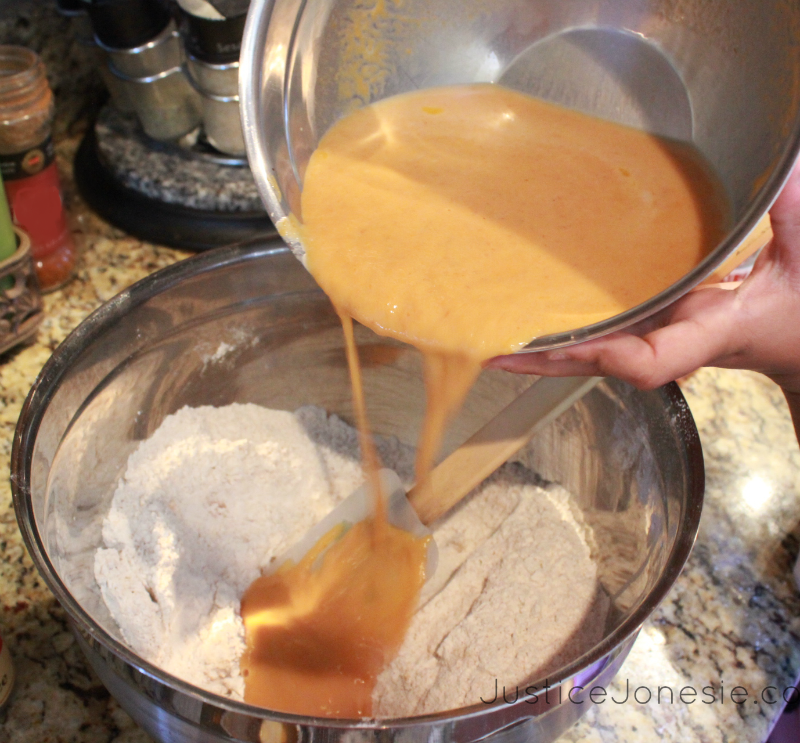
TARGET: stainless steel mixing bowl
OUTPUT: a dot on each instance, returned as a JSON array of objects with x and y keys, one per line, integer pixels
[
  {"x": 632, "y": 459},
  {"x": 724, "y": 75}
]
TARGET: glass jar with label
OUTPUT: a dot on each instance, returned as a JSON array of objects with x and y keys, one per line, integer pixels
[{"x": 27, "y": 164}]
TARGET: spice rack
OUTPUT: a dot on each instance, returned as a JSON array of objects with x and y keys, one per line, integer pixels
[{"x": 165, "y": 158}]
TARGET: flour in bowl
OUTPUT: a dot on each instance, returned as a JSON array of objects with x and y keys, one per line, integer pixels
[{"x": 217, "y": 493}]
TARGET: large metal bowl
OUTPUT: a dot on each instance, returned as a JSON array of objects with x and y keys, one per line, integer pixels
[
  {"x": 723, "y": 75},
  {"x": 632, "y": 459}
]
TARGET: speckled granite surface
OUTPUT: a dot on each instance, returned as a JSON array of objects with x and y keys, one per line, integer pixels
[
  {"x": 172, "y": 175},
  {"x": 733, "y": 617}
]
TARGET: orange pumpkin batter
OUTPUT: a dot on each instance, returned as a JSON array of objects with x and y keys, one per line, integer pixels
[{"x": 475, "y": 218}]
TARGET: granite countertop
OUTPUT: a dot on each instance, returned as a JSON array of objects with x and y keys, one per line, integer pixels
[{"x": 732, "y": 619}]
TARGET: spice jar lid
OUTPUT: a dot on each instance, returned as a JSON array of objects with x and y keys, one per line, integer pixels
[
  {"x": 126, "y": 24},
  {"x": 26, "y": 102},
  {"x": 214, "y": 41}
]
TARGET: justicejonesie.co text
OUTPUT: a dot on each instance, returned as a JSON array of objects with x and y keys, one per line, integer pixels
[{"x": 556, "y": 693}]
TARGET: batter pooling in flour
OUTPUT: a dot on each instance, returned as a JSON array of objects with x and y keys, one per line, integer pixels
[
  {"x": 319, "y": 633},
  {"x": 468, "y": 221}
]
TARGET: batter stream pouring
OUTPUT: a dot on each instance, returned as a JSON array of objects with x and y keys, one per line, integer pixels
[{"x": 466, "y": 221}]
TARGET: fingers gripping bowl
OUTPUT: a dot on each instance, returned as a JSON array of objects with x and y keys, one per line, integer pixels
[{"x": 632, "y": 459}]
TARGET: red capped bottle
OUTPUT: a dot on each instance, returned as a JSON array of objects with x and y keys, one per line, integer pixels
[{"x": 27, "y": 164}]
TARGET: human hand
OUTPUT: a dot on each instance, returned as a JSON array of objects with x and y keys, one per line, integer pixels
[{"x": 753, "y": 325}]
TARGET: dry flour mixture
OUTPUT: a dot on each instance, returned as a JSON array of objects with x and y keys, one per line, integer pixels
[{"x": 216, "y": 493}]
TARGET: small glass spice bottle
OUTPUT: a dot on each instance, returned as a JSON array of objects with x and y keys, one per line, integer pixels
[{"x": 27, "y": 164}]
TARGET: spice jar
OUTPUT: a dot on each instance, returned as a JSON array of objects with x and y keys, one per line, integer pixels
[
  {"x": 213, "y": 38},
  {"x": 144, "y": 66},
  {"x": 27, "y": 164},
  {"x": 218, "y": 85},
  {"x": 151, "y": 74}
]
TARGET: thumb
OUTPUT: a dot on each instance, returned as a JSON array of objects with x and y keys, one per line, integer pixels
[{"x": 700, "y": 332}]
